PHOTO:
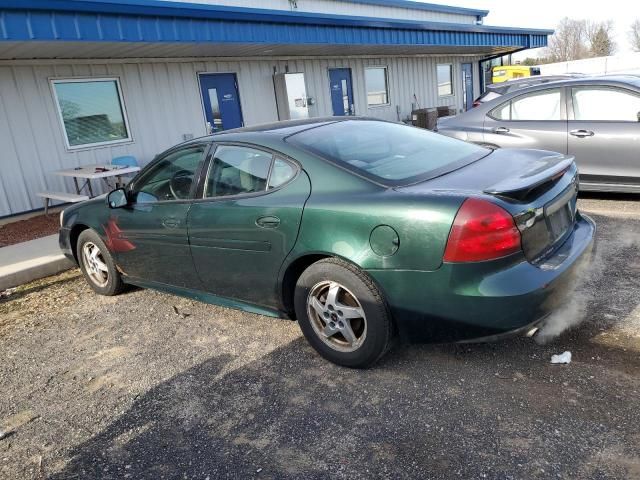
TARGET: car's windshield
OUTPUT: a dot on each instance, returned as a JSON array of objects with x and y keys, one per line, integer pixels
[{"x": 388, "y": 153}]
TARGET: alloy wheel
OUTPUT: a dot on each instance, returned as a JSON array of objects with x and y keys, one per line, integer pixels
[
  {"x": 94, "y": 264},
  {"x": 337, "y": 316}
]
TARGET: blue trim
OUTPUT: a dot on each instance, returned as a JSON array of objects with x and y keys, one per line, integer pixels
[{"x": 167, "y": 21}]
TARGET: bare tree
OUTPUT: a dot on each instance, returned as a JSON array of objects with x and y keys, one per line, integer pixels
[
  {"x": 599, "y": 36},
  {"x": 568, "y": 42},
  {"x": 634, "y": 35}
]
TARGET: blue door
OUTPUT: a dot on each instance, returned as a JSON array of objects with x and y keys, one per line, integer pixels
[
  {"x": 467, "y": 85},
  {"x": 341, "y": 91},
  {"x": 221, "y": 101}
]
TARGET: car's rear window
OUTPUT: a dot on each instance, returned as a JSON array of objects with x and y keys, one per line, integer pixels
[{"x": 389, "y": 153}]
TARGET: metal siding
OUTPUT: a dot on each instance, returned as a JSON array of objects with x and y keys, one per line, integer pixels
[
  {"x": 163, "y": 102},
  {"x": 349, "y": 8}
]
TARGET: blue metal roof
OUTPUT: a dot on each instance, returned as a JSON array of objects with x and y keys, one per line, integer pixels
[{"x": 166, "y": 21}]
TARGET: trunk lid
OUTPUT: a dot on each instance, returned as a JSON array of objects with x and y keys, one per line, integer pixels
[{"x": 539, "y": 188}]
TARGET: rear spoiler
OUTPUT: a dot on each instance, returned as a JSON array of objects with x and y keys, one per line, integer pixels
[{"x": 528, "y": 180}]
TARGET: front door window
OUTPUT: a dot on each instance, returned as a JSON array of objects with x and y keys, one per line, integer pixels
[
  {"x": 171, "y": 178},
  {"x": 605, "y": 104}
]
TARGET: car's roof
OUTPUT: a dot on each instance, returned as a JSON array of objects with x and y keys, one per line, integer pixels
[
  {"x": 633, "y": 80},
  {"x": 607, "y": 80},
  {"x": 280, "y": 129},
  {"x": 287, "y": 128},
  {"x": 534, "y": 80}
]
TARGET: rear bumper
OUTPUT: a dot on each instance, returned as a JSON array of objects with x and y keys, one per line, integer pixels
[{"x": 461, "y": 302}]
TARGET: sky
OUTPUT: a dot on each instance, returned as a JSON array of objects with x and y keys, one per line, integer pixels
[{"x": 548, "y": 13}]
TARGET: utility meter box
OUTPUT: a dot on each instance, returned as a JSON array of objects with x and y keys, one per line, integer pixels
[{"x": 291, "y": 96}]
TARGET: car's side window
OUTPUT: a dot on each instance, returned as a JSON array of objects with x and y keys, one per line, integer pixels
[
  {"x": 170, "y": 178},
  {"x": 236, "y": 170},
  {"x": 281, "y": 172},
  {"x": 605, "y": 104},
  {"x": 538, "y": 106}
]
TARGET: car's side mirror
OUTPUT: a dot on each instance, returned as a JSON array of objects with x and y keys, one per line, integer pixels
[{"x": 118, "y": 198}]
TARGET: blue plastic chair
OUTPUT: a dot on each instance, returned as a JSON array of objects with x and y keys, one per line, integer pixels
[{"x": 125, "y": 160}]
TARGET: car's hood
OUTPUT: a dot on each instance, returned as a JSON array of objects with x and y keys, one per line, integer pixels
[{"x": 504, "y": 171}]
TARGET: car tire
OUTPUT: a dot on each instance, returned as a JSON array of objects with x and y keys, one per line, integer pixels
[
  {"x": 97, "y": 264},
  {"x": 343, "y": 314}
]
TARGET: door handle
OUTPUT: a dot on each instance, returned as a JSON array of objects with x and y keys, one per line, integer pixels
[
  {"x": 581, "y": 133},
  {"x": 268, "y": 222},
  {"x": 171, "y": 223},
  {"x": 501, "y": 130}
]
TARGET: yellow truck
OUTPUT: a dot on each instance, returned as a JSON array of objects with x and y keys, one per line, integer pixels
[{"x": 509, "y": 72}]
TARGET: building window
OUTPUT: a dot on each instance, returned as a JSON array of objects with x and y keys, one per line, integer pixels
[
  {"x": 92, "y": 112},
  {"x": 377, "y": 86},
  {"x": 445, "y": 80}
]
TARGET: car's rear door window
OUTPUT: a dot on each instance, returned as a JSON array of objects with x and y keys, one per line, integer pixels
[
  {"x": 545, "y": 105},
  {"x": 388, "y": 153},
  {"x": 605, "y": 104},
  {"x": 237, "y": 170}
]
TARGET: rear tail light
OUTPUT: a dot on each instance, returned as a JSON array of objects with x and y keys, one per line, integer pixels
[
  {"x": 477, "y": 103},
  {"x": 482, "y": 231}
]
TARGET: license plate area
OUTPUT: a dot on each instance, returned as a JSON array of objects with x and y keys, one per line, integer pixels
[{"x": 560, "y": 215}]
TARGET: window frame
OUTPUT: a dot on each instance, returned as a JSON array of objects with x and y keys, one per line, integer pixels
[
  {"x": 385, "y": 68},
  {"x": 571, "y": 114},
  {"x": 204, "y": 172},
  {"x": 130, "y": 188},
  {"x": 453, "y": 87},
  {"x": 563, "y": 105},
  {"x": 63, "y": 80}
]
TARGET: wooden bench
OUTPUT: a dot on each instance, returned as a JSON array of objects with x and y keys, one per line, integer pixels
[{"x": 62, "y": 196}]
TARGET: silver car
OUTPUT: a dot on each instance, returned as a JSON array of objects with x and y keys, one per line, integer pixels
[{"x": 595, "y": 119}]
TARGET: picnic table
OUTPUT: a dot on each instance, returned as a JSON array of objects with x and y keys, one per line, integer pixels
[{"x": 93, "y": 172}]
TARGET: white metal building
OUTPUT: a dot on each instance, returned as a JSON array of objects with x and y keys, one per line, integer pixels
[
  {"x": 83, "y": 81},
  {"x": 621, "y": 64}
]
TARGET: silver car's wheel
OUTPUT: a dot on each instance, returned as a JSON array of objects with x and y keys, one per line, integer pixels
[
  {"x": 95, "y": 265},
  {"x": 337, "y": 316}
]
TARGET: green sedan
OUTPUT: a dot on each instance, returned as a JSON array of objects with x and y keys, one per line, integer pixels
[{"x": 361, "y": 230}]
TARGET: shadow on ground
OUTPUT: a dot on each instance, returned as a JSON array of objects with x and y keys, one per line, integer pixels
[
  {"x": 438, "y": 412},
  {"x": 470, "y": 411}
]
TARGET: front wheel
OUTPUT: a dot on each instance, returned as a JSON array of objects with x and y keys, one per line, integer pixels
[
  {"x": 97, "y": 264},
  {"x": 342, "y": 314}
]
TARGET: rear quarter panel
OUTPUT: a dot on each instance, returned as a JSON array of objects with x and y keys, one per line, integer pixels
[
  {"x": 342, "y": 224},
  {"x": 343, "y": 209}
]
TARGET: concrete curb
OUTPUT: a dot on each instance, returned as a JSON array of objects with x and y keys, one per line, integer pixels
[{"x": 32, "y": 260}]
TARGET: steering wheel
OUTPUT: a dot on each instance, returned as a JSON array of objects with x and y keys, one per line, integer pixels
[{"x": 180, "y": 184}]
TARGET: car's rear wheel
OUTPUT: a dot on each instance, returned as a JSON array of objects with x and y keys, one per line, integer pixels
[
  {"x": 342, "y": 313},
  {"x": 97, "y": 264}
]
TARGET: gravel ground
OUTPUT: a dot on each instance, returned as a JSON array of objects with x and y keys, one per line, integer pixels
[{"x": 125, "y": 387}]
